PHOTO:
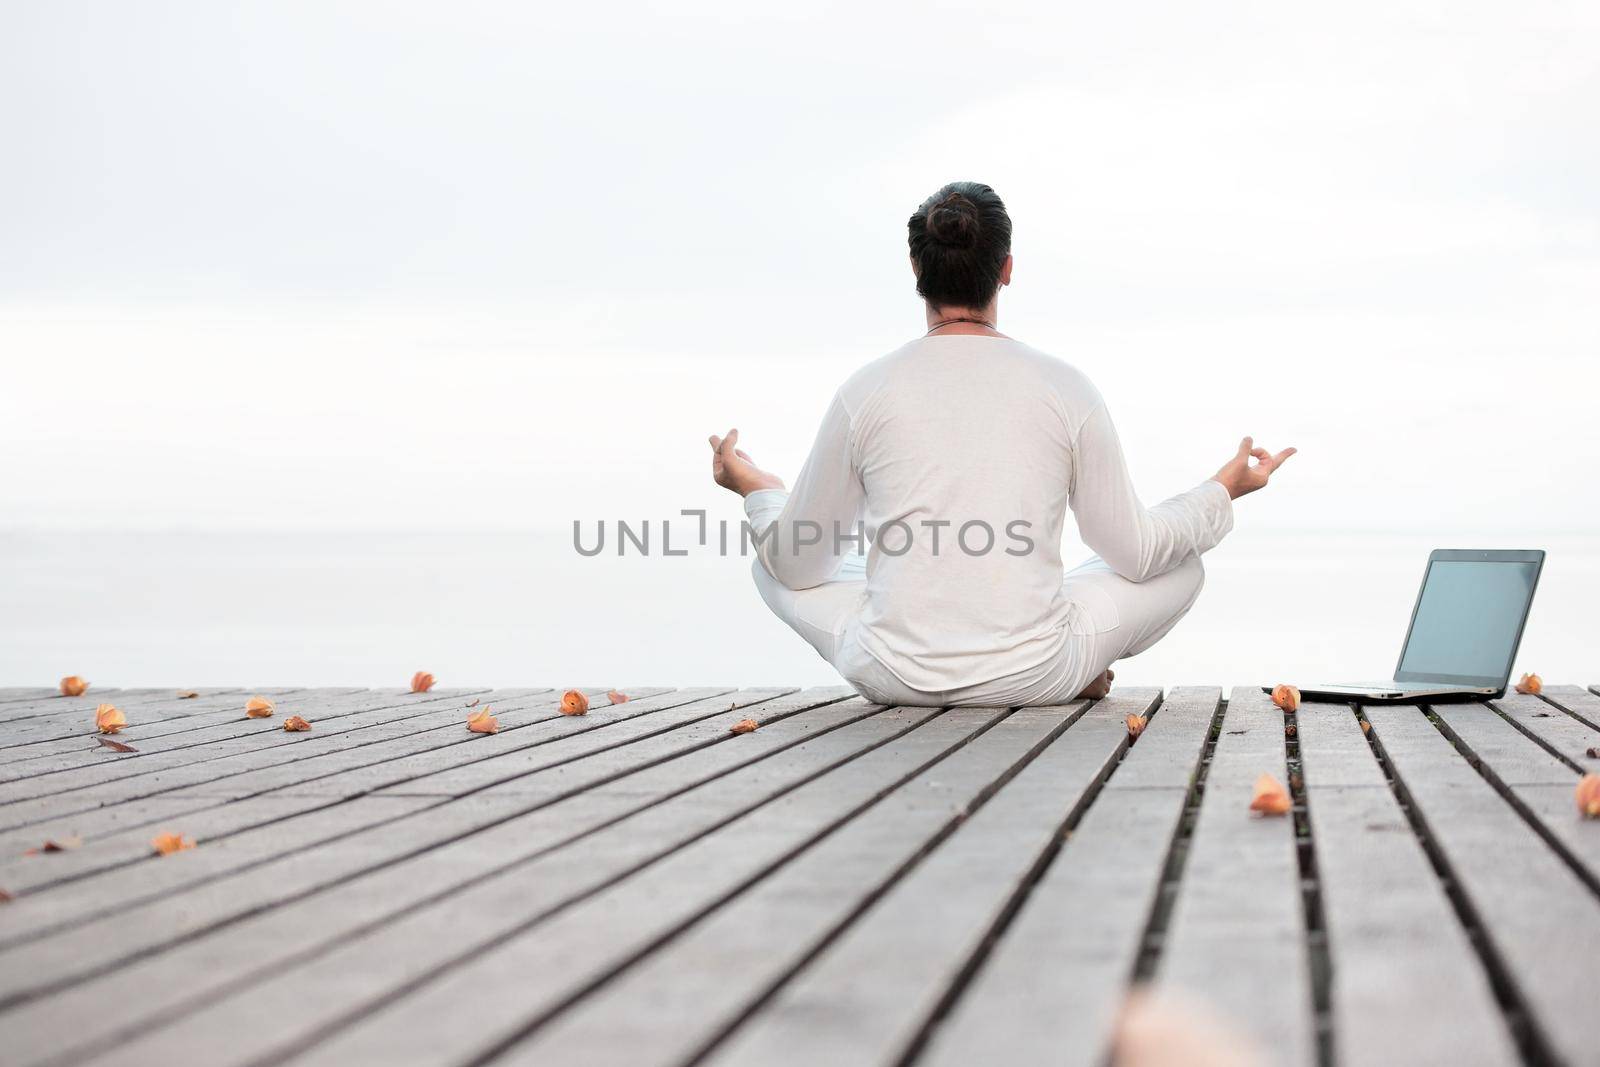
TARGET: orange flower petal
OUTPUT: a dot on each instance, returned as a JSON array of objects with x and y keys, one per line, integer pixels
[
  {"x": 296, "y": 725},
  {"x": 1530, "y": 683},
  {"x": 187, "y": 694},
  {"x": 1270, "y": 798},
  {"x": 574, "y": 703},
  {"x": 259, "y": 707},
  {"x": 421, "y": 682},
  {"x": 743, "y": 726},
  {"x": 166, "y": 844},
  {"x": 115, "y": 746},
  {"x": 481, "y": 722},
  {"x": 109, "y": 719},
  {"x": 1366, "y": 727},
  {"x": 1286, "y": 697},
  {"x": 1588, "y": 795},
  {"x": 1136, "y": 724},
  {"x": 73, "y": 686},
  {"x": 616, "y": 697}
]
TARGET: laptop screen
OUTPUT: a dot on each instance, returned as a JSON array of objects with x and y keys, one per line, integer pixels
[{"x": 1468, "y": 621}]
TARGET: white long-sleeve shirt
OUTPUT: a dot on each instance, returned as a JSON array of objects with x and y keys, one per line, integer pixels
[{"x": 964, "y": 430}]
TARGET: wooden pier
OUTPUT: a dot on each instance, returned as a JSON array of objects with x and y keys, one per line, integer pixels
[{"x": 846, "y": 884}]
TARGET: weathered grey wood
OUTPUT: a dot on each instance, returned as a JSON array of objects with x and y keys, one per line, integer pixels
[
  {"x": 1221, "y": 941},
  {"x": 371, "y": 718},
  {"x": 1391, "y": 930},
  {"x": 197, "y": 735},
  {"x": 1558, "y": 721},
  {"x": 678, "y": 997},
  {"x": 869, "y": 995},
  {"x": 638, "y": 885},
  {"x": 1541, "y": 783},
  {"x": 319, "y": 770},
  {"x": 1050, "y": 989},
  {"x": 605, "y": 753},
  {"x": 413, "y": 766},
  {"x": 67, "y": 731},
  {"x": 585, "y": 940},
  {"x": 1539, "y": 917},
  {"x": 166, "y": 772},
  {"x": 89, "y": 898},
  {"x": 845, "y": 863},
  {"x": 78, "y": 719},
  {"x": 119, "y": 847},
  {"x": 28, "y": 694},
  {"x": 369, "y": 879},
  {"x": 55, "y": 705}
]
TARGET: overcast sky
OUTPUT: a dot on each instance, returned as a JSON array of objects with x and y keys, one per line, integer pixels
[{"x": 471, "y": 264}]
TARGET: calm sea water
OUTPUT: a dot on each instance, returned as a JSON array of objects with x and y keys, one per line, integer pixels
[{"x": 317, "y": 608}]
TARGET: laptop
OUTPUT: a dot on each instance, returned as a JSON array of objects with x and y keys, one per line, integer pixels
[{"x": 1464, "y": 631}]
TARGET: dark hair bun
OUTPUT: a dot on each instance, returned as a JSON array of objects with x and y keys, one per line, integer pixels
[
  {"x": 954, "y": 222},
  {"x": 959, "y": 239}
]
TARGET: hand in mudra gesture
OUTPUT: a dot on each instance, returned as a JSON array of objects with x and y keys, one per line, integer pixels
[
  {"x": 1237, "y": 475},
  {"x": 734, "y": 470}
]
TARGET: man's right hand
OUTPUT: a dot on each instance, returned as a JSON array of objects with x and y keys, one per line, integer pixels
[
  {"x": 1238, "y": 477},
  {"x": 732, "y": 469}
]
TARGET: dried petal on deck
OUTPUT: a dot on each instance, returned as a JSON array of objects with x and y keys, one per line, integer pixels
[
  {"x": 1531, "y": 684},
  {"x": 58, "y": 844},
  {"x": 115, "y": 746},
  {"x": 1270, "y": 798},
  {"x": 574, "y": 703},
  {"x": 73, "y": 686},
  {"x": 1136, "y": 724},
  {"x": 481, "y": 722},
  {"x": 743, "y": 726},
  {"x": 108, "y": 718},
  {"x": 5, "y": 898},
  {"x": 616, "y": 697},
  {"x": 187, "y": 694},
  {"x": 1167, "y": 1027},
  {"x": 1588, "y": 796},
  {"x": 1286, "y": 697},
  {"x": 421, "y": 682},
  {"x": 259, "y": 708},
  {"x": 296, "y": 725},
  {"x": 166, "y": 844},
  {"x": 1593, "y": 752}
]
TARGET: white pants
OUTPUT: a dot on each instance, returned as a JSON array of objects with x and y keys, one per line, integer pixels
[{"x": 1118, "y": 618}]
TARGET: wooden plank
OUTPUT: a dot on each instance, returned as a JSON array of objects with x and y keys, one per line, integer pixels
[
  {"x": 550, "y": 954},
  {"x": 38, "y": 800},
  {"x": 1221, "y": 941},
  {"x": 869, "y": 994},
  {"x": 1564, "y": 720},
  {"x": 196, "y": 734},
  {"x": 78, "y": 720},
  {"x": 1391, "y": 931},
  {"x": 864, "y": 850},
  {"x": 246, "y": 737},
  {"x": 244, "y": 929},
  {"x": 1051, "y": 987},
  {"x": 329, "y": 767},
  {"x": 21, "y": 875},
  {"x": 413, "y": 765},
  {"x": 1539, "y": 784},
  {"x": 54, "y": 704},
  {"x": 1537, "y": 916},
  {"x": 88, "y": 898}
]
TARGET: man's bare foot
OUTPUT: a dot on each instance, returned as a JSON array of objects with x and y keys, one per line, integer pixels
[{"x": 1098, "y": 688}]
